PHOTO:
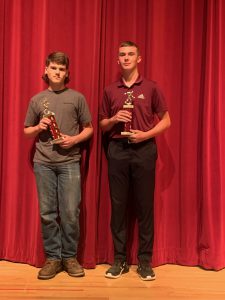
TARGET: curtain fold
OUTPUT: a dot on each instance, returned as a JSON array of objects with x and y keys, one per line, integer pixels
[{"x": 182, "y": 45}]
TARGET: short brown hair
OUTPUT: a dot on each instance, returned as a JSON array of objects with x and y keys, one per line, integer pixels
[
  {"x": 129, "y": 44},
  {"x": 60, "y": 58}
]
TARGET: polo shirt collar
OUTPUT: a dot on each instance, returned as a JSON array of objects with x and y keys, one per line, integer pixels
[{"x": 121, "y": 83}]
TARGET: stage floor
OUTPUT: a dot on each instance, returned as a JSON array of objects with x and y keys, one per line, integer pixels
[{"x": 19, "y": 281}]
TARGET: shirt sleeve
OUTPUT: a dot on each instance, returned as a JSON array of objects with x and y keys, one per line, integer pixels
[
  {"x": 158, "y": 101},
  {"x": 84, "y": 112},
  {"x": 32, "y": 117},
  {"x": 105, "y": 109}
]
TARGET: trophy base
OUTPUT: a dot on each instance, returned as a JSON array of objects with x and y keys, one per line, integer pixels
[
  {"x": 126, "y": 133},
  {"x": 57, "y": 141},
  {"x": 129, "y": 106}
]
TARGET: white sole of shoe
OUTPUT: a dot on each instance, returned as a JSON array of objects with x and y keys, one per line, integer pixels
[{"x": 148, "y": 278}]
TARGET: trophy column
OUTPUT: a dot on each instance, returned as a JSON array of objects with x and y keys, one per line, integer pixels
[
  {"x": 128, "y": 105},
  {"x": 53, "y": 127}
]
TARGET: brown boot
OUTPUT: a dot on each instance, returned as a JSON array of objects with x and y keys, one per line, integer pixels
[
  {"x": 72, "y": 267},
  {"x": 50, "y": 269}
]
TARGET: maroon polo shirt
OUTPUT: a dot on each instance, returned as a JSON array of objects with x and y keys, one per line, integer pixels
[{"x": 148, "y": 100}]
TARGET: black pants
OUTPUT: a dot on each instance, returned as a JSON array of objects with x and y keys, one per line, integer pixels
[{"x": 132, "y": 166}]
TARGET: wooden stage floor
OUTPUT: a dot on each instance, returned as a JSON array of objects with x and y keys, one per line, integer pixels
[{"x": 19, "y": 281}]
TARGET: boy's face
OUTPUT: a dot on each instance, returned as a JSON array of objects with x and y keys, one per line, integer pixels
[
  {"x": 56, "y": 73},
  {"x": 128, "y": 57}
]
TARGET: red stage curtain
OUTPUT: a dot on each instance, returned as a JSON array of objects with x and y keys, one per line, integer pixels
[{"x": 183, "y": 47}]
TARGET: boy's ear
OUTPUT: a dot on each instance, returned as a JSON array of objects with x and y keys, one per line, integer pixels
[{"x": 139, "y": 59}]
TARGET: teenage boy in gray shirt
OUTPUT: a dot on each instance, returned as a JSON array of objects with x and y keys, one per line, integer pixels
[{"x": 56, "y": 164}]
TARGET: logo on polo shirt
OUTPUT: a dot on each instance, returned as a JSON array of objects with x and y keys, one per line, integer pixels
[{"x": 141, "y": 96}]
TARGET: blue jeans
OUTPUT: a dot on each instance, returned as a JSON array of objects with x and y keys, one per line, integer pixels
[{"x": 59, "y": 193}]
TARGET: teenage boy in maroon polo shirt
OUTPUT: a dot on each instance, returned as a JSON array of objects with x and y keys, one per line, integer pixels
[{"x": 132, "y": 158}]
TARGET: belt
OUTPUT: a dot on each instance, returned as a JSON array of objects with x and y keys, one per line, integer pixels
[
  {"x": 122, "y": 140},
  {"x": 127, "y": 141}
]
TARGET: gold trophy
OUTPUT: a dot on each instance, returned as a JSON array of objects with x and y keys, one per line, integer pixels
[
  {"x": 128, "y": 105},
  {"x": 53, "y": 127}
]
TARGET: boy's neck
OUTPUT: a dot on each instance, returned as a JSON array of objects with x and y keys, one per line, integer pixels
[
  {"x": 56, "y": 87},
  {"x": 130, "y": 77}
]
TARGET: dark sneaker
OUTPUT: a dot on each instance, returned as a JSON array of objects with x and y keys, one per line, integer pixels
[
  {"x": 145, "y": 272},
  {"x": 50, "y": 269},
  {"x": 72, "y": 267},
  {"x": 117, "y": 269}
]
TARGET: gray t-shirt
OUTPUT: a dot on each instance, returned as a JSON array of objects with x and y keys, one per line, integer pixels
[{"x": 71, "y": 111}]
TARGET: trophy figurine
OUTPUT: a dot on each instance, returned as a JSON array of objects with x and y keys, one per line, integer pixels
[
  {"x": 55, "y": 132},
  {"x": 128, "y": 105}
]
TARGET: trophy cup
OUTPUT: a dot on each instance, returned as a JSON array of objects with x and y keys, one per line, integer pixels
[
  {"x": 55, "y": 132},
  {"x": 128, "y": 105}
]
